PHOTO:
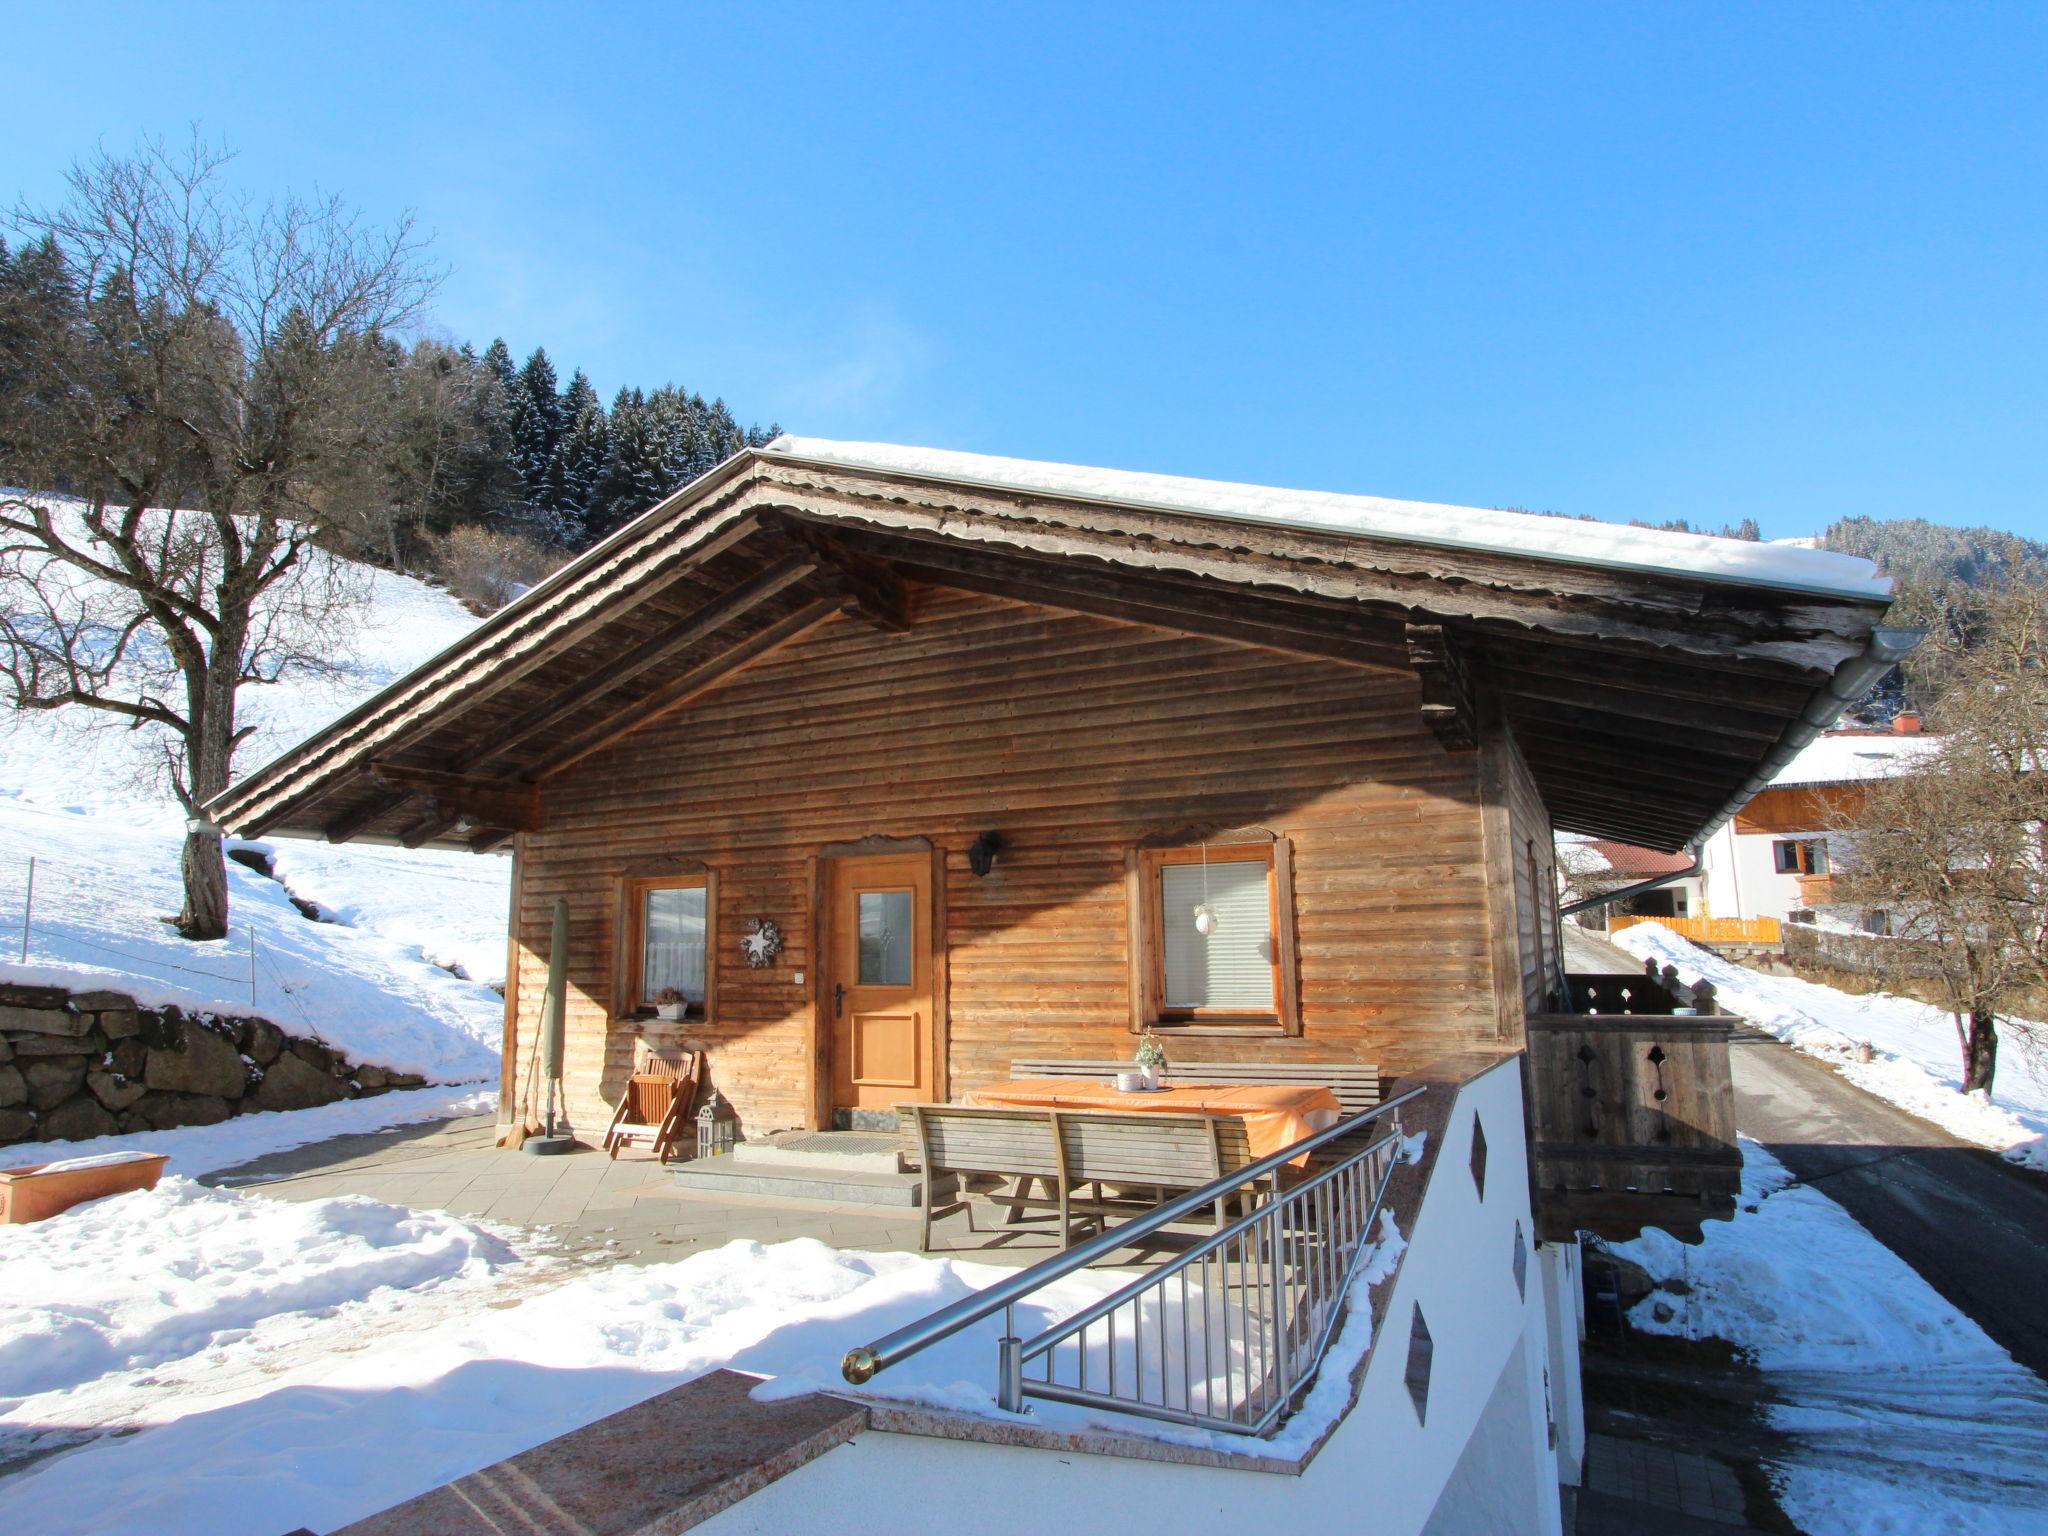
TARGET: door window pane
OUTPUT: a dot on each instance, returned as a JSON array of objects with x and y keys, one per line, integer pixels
[
  {"x": 672, "y": 937},
  {"x": 1231, "y": 967},
  {"x": 885, "y": 938}
]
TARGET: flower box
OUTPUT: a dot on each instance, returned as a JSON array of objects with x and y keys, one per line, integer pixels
[{"x": 36, "y": 1190}]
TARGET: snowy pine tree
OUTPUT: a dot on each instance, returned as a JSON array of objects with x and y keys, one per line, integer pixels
[
  {"x": 536, "y": 422},
  {"x": 581, "y": 458}
]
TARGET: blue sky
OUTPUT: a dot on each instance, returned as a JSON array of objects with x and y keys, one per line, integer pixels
[{"x": 1703, "y": 261}]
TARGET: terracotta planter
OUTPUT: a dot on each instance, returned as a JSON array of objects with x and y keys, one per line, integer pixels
[{"x": 29, "y": 1194}]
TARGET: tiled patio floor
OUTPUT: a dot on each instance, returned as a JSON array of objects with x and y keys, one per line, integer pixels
[{"x": 627, "y": 1209}]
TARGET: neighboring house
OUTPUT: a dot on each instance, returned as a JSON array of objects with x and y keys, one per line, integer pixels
[
  {"x": 986, "y": 739},
  {"x": 1775, "y": 857},
  {"x": 1599, "y": 866}
]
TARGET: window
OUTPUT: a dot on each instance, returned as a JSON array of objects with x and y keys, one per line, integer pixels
[
  {"x": 885, "y": 938},
  {"x": 668, "y": 941},
  {"x": 1802, "y": 857},
  {"x": 1236, "y": 976}
]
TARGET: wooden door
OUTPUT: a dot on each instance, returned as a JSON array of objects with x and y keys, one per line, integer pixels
[{"x": 878, "y": 987}]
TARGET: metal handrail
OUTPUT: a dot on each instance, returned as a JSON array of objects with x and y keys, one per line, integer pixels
[
  {"x": 861, "y": 1364},
  {"x": 1284, "y": 1286}
]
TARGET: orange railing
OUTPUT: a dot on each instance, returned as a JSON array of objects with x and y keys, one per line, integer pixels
[{"x": 1710, "y": 930}]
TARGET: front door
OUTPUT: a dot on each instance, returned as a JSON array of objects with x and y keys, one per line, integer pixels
[{"x": 878, "y": 985}]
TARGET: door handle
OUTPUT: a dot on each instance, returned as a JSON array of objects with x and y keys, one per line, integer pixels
[{"x": 838, "y": 999}]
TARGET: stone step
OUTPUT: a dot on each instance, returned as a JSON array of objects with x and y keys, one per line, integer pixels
[
  {"x": 729, "y": 1176},
  {"x": 823, "y": 1152}
]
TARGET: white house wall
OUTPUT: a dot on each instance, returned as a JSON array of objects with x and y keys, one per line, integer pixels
[
  {"x": 1742, "y": 878},
  {"x": 1382, "y": 1469}
]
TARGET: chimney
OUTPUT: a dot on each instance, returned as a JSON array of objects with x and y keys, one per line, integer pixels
[{"x": 1906, "y": 724}]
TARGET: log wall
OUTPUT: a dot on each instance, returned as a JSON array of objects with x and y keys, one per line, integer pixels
[{"x": 1074, "y": 737}]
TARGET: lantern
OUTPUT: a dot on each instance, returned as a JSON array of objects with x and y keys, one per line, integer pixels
[{"x": 717, "y": 1129}]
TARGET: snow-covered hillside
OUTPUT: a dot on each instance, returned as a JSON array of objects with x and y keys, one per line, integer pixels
[{"x": 79, "y": 794}]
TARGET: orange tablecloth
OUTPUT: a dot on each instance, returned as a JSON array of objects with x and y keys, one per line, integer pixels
[{"x": 1275, "y": 1115}]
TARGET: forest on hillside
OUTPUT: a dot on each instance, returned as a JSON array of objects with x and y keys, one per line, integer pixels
[{"x": 477, "y": 468}]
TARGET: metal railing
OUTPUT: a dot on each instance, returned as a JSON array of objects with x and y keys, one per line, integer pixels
[{"x": 1227, "y": 1334}]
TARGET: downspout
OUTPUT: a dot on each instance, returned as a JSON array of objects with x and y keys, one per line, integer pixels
[{"x": 1889, "y": 645}]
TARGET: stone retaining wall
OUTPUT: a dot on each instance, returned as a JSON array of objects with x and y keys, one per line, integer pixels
[{"x": 80, "y": 1064}]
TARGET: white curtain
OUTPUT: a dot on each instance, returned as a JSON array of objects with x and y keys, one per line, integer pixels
[
  {"x": 673, "y": 940},
  {"x": 1233, "y": 966}
]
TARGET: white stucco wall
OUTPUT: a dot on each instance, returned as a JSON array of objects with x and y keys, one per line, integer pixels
[
  {"x": 1383, "y": 1468},
  {"x": 1742, "y": 875}
]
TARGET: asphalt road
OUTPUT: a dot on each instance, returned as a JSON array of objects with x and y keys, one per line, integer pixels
[{"x": 1974, "y": 1226}]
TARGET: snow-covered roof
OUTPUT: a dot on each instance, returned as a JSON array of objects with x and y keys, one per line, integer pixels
[
  {"x": 1846, "y": 757},
  {"x": 1419, "y": 522},
  {"x": 1604, "y": 856}
]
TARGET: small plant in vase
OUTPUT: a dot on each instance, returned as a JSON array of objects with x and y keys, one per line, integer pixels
[
  {"x": 669, "y": 1004},
  {"x": 1151, "y": 1059}
]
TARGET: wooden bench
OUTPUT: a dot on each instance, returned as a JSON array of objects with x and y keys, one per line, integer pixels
[
  {"x": 1102, "y": 1151},
  {"x": 654, "y": 1107},
  {"x": 1111, "y": 1153},
  {"x": 1356, "y": 1084},
  {"x": 1018, "y": 1144}
]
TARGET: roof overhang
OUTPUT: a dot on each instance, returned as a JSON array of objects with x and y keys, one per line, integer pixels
[{"x": 1647, "y": 704}]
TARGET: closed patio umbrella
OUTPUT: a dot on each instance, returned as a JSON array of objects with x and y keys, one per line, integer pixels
[{"x": 550, "y": 1043}]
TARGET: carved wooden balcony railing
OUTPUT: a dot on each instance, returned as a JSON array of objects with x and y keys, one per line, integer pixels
[{"x": 1632, "y": 1123}]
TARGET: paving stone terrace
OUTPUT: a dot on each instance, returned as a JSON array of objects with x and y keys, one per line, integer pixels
[{"x": 630, "y": 1209}]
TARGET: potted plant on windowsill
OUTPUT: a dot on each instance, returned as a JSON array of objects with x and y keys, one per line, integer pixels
[
  {"x": 1151, "y": 1059},
  {"x": 669, "y": 1004}
]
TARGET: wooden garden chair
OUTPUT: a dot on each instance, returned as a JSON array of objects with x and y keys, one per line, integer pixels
[{"x": 655, "y": 1106}]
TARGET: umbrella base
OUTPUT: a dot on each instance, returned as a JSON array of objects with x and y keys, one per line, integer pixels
[{"x": 547, "y": 1146}]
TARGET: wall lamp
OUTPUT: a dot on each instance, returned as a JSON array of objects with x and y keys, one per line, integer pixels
[{"x": 981, "y": 853}]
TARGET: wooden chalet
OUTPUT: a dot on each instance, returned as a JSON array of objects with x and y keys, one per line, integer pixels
[{"x": 977, "y": 737}]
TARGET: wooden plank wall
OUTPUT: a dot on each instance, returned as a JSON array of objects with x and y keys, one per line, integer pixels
[
  {"x": 1073, "y": 737},
  {"x": 1537, "y": 939}
]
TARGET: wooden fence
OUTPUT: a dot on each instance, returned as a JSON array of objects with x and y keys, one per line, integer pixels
[
  {"x": 1633, "y": 1124},
  {"x": 1711, "y": 930}
]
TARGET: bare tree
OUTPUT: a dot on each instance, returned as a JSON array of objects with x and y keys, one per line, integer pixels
[
  {"x": 205, "y": 384},
  {"x": 1955, "y": 851}
]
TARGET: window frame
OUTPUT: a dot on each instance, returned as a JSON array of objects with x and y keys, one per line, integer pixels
[
  {"x": 632, "y": 928},
  {"x": 1802, "y": 857},
  {"x": 1147, "y": 946}
]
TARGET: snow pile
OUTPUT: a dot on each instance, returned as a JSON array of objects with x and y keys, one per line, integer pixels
[
  {"x": 211, "y": 1264},
  {"x": 1420, "y": 522},
  {"x": 1917, "y": 1063},
  {"x": 1904, "y": 1415},
  {"x": 197, "y": 1149},
  {"x": 331, "y": 1422},
  {"x": 83, "y": 795}
]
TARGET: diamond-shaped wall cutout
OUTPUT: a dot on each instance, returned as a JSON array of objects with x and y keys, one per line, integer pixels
[
  {"x": 1479, "y": 1156},
  {"x": 1521, "y": 1263},
  {"x": 1420, "y": 1350}
]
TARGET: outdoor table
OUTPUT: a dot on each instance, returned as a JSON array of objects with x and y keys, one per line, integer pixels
[{"x": 1275, "y": 1115}]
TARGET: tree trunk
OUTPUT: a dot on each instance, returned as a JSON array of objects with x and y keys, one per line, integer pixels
[
  {"x": 206, "y": 885},
  {"x": 208, "y": 746},
  {"x": 1980, "y": 1051}
]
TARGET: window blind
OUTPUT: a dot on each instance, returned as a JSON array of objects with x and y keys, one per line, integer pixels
[
  {"x": 673, "y": 943},
  {"x": 1231, "y": 968}
]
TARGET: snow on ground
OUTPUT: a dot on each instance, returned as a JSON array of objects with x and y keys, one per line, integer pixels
[
  {"x": 101, "y": 890},
  {"x": 1904, "y": 1416},
  {"x": 217, "y": 1263},
  {"x": 80, "y": 793},
  {"x": 197, "y": 1149},
  {"x": 312, "y": 1364},
  {"x": 1917, "y": 1066}
]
